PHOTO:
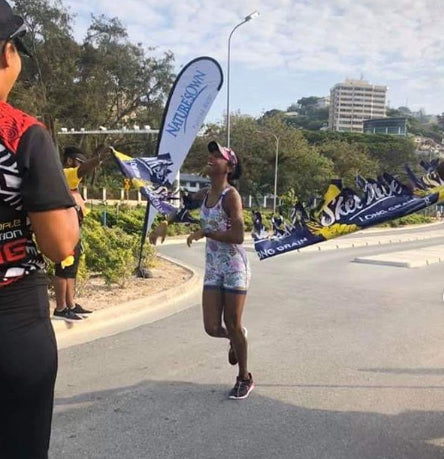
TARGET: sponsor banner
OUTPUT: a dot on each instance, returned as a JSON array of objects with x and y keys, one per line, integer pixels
[
  {"x": 191, "y": 97},
  {"x": 385, "y": 199},
  {"x": 298, "y": 238},
  {"x": 189, "y": 101},
  {"x": 343, "y": 211}
]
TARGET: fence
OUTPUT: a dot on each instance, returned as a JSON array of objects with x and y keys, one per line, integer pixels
[{"x": 133, "y": 197}]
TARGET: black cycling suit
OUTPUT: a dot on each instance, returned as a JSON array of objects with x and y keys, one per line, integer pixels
[{"x": 31, "y": 180}]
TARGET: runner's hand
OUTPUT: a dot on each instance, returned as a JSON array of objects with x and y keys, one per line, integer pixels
[
  {"x": 159, "y": 231},
  {"x": 195, "y": 237}
]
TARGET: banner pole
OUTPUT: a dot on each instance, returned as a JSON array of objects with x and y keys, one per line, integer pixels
[{"x": 139, "y": 271}]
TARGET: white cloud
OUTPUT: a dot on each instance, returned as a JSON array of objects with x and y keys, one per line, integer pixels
[{"x": 389, "y": 41}]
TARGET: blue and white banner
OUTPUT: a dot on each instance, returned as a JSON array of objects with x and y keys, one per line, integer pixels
[
  {"x": 344, "y": 211},
  {"x": 190, "y": 99},
  {"x": 148, "y": 176}
]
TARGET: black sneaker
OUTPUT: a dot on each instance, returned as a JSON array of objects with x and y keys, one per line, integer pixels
[
  {"x": 232, "y": 357},
  {"x": 67, "y": 315},
  {"x": 77, "y": 309},
  {"x": 242, "y": 388}
]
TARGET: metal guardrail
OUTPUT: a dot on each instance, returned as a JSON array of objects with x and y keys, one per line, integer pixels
[{"x": 107, "y": 131}]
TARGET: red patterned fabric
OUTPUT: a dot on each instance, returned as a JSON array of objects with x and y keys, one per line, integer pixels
[
  {"x": 18, "y": 254},
  {"x": 13, "y": 124}
]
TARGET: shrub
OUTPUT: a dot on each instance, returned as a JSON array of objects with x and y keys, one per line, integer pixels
[
  {"x": 113, "y": 252},
  {"x": 412, "y": 219}
]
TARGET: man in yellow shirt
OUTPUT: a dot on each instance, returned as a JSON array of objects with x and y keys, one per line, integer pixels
[{"x": 75, "y": 167}]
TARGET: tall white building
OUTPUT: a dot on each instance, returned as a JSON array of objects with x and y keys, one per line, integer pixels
[{"x": 354, "y": 101}]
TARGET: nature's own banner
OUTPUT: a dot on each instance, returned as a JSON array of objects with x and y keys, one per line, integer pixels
[
  {"x": 344, "y": 211},
  {"x": 190, "y": 99}
]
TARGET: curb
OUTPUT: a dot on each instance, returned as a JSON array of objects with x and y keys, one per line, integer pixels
[
  {"x": 412, "y": 258},
  {"x": 131, "y": 314},
  {"x": 399, "y": 228}
]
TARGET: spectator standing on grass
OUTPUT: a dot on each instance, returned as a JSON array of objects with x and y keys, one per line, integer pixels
[
  {"x": 75, "y": 167},
  {"x": 35, "y": 205}
]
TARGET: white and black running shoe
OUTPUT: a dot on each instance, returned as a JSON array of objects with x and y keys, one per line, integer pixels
[
  {"x": 79, "y": 310},
  {"x": 242, "y": 388},
  {"x": 67, "y": 315}
]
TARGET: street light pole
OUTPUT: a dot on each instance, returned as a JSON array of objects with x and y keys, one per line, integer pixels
[
  {"x": 275, "y": 172},
  {"x": 247, "y": 18},
  {"x": 276, "y": 161}
]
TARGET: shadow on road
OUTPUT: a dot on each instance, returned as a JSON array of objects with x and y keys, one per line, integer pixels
[{"x": 164, "y": 419}]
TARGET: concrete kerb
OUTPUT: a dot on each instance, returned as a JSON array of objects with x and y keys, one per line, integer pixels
[
  {"x": 413, "y": 258},
  {"x": 131, "y": 314}
]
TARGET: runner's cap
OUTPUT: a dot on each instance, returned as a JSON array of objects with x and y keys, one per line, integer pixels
[{"x": 227, "y": 153}]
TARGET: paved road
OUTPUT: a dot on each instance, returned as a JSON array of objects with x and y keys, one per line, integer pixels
[{"x": 348, "y": 360}]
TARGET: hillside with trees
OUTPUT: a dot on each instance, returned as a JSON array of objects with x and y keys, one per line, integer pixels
[
  {"x": 103, "y": 81},
  {"x": 106, "y": 80}
]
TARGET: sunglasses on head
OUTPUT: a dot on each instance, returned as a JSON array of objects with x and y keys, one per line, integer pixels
[
  {"x": 20, "y": 32},
  {"x": 15, "y": 37}
]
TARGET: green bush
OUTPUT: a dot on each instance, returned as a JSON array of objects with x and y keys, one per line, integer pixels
[
  {"x": 129, "y": 219},
  {"x": 112, "y": 252},
  {"x": 83, "y": 275},
  {"x": 413, "y": 219}
]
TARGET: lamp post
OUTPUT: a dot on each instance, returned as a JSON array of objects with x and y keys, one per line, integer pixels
[
  {"x": 246, "y": 19},
  {"x": 276, "y": 160}
]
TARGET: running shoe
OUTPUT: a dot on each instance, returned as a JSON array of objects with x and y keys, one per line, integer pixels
[
  {"x": 242, "y": 388},
  {"x": 66, "y": 315},
  {"x": 77, "y": 309},
  {"x": 232, "y": 357}
]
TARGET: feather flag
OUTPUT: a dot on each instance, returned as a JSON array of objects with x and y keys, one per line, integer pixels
[{"x": 189, "y": 101}]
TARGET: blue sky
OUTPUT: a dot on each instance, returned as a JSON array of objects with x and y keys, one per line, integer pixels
[{"x": 295, "y": 48}]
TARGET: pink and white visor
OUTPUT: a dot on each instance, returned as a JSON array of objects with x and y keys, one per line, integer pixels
[{"x": 227, "y": 153}]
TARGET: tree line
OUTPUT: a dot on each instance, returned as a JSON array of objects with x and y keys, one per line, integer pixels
[
  {"x": 307, "y": 160},
  {"x": 106, "y": 80}
]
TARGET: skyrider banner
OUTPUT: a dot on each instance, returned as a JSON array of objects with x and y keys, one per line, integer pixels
[{"x": 344, "y": 211}]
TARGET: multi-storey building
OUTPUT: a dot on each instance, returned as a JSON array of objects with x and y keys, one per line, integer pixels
[{"x": 354, "y": 101}]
